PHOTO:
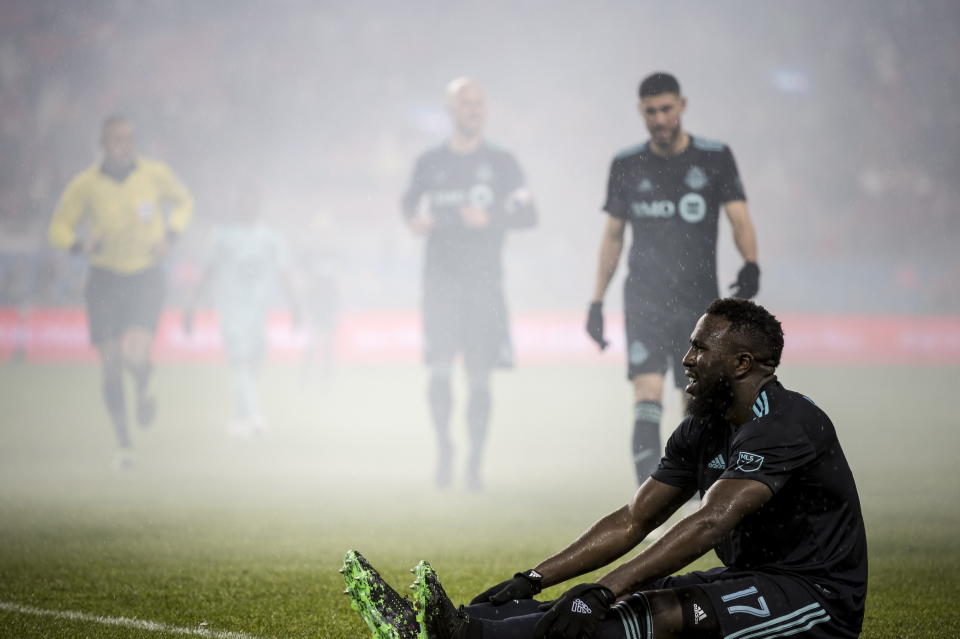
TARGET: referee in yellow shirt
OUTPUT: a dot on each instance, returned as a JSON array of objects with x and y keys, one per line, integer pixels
[{"x": 132, "y": 209}]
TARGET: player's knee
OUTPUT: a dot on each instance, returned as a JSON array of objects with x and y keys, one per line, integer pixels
[
  {"x": 647, "y": 387},
  {"x": 441, "y": 373},
  {"x": 479, "y": 380}
]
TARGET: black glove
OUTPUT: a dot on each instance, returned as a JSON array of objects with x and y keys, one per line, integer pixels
[
  {"x": 576, "y": 614},
  {"x": 524, "y": 585},
  {"x": 595, "y": 324},
  {"x": 748, "y": 281}
]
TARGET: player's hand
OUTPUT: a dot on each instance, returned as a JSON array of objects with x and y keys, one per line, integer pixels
[
  {"x": 421, "y": 223},
  {"x": 524, "y": 585},
  {"x": 748, "y": 281},
  {"x": 186, "y": 321},
  {"x": 474, "y": 217},
  {"x": 595, "y": 324},
  {"x": 89, "y": 246},
  {"x": 576, "y": 614}
]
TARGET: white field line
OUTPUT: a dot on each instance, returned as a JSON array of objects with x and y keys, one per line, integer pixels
[{"x": 125, "y": 622}]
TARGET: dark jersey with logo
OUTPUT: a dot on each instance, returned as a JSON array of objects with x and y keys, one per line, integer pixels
[
  {"x": 812, "y": 527},
  {"x": 672, "y": 205},
  {"x": 444, "y": 182}
]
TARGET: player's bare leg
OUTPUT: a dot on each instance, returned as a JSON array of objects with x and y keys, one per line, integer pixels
[
  {"x": 440, "y": 398},
  {"x": 137, "y": 343},
  {"x": 647, "y": 411},
  {"x": 111, "y": 369}
]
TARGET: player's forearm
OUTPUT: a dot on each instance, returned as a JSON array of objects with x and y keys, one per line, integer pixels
[
  {"x": 744, "y": 235},
  {"x": 610, "y": 249},
  {"x": 608, "y": 539},
  {"x": 684, "y": 543}
]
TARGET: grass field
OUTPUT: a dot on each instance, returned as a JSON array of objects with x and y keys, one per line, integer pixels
[{"x": 246, "y": 537}]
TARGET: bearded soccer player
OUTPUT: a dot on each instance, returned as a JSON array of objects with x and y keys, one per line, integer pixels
[
  {"x": 464, "y": 197},
  {"x": 778, "y": 505},
  {"x": 669, "y": 191},
  {"x": 132, "y": 209}
]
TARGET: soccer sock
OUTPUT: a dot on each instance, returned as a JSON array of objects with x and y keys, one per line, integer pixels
[
  {"x": 113, "y": 397},
  {"x": 441, "y": 401},
  {"x": 141, "y": 371},
  {"x": 247, "y": 401},
  {"x": 646, "y": 438},
  {"x": 478, "y": 415}
]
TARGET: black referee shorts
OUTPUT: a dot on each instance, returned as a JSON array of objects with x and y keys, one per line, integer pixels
[{"x": 117, "y": 302}]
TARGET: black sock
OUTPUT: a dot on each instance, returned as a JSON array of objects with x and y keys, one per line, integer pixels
[
  {"x": 141, "y": 372},
  {"x": 646, "y": 438},
  {"x": 113, "y": 397},
  {"x": 478, "y": 415},
  {"x": 441, "y": 401}
]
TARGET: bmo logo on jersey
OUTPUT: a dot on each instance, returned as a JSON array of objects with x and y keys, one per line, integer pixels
[
  {"x": 657, "y": 208},
  {"x": 693, "y": 208}
]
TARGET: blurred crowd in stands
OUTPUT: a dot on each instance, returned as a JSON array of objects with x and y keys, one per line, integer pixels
[{"x": 842, "y": 116}]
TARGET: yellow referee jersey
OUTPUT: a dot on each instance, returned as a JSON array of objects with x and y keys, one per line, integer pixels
[{"x": 128, "y": 218}]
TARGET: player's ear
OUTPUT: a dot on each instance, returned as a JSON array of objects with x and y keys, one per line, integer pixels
[
  {"x": 683, "y": 103},
  {"x": 743, "y": 364}
]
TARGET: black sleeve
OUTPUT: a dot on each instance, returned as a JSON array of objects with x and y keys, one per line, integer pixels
[
  {"x": 518, "y": 210},
  {"x": 678, "y": 464},
  {"x": 731, "y": 187},
  {"x": 411, "y": 198},
  {"x": 769, "y": 450},
  {"x": 616, "y": 204}
]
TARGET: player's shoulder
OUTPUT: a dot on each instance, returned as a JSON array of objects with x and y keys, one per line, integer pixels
[
  {"x": 775, "y": 403},
  {"x": 152, "y": 165},
  {"x": 496, "y": 149},
  {"x": 708, "y": 145},
  {"x": 634, "y": 152}
]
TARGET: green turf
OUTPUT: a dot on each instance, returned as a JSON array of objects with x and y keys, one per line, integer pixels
[{"x": 248, "y": 536}]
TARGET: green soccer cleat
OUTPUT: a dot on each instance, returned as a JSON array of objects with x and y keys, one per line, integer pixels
[
  {"x": 437, "y": 617},
  {"x": 386, "y": 613}
]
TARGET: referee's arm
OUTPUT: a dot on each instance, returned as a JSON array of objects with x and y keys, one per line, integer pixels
[
  {"x": 62, "y": 230},
  {"x": 176, "y": 194}
]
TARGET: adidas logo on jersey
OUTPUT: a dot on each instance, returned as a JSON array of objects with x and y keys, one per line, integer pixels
[
  {"x": 698, "y": 614},
  {"x": 717, "y": 463},
  {"x": 580, "y": 607}
]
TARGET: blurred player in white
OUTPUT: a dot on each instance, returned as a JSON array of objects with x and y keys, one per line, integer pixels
[{"x": 248, "y": 263}]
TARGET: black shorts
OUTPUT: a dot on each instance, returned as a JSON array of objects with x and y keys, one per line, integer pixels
[
  {"x": 117, "y": 302},
  {"x": 763, "y": 605},
  {"x": 656, "y": 339},
  {"x": 467, "y": 320}
]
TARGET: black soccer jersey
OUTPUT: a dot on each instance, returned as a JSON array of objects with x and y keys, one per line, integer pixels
[
  {"x": 812, "y": 527},
  {"x": 672, "y": 205},
  {"x": 444, "y": 182}
]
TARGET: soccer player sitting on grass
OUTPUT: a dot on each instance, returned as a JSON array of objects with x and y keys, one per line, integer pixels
[{"x": 778, "y": 505}]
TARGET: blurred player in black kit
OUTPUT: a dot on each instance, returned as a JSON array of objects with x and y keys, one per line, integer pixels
[
  {"x": 464, "y": 196},
  {"x": 669, "y": 190}
]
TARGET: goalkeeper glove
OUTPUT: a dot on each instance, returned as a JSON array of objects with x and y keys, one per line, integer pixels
[
  {"x": 524, "y": 585},
  {"x": 576, "y": 614},
  {"x": 748, "y": 281},
  {"x": 595, "y": 324}
]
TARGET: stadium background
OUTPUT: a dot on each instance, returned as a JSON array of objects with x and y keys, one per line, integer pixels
[{"x": 843, "y": 120}]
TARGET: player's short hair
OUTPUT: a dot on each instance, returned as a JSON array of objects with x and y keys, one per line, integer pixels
[
  {"x": 760, "y": 331},
  {"x": 111, "y": 120},
  {"x": 657, "y": 83}
]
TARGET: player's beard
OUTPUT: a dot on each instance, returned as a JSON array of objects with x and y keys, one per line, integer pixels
[{"x": 713, "y": 399}]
